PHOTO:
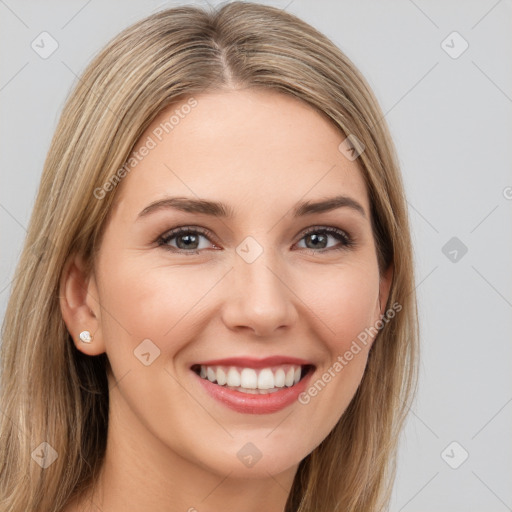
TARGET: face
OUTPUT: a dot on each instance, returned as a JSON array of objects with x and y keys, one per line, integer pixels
[{"x": 250, "y": 294}]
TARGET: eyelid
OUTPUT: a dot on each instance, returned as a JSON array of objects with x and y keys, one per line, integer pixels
[{"x": 328, "y": 229}]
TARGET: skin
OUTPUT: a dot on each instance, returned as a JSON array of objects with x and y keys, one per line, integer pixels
[{"x": 170, "y": 446}]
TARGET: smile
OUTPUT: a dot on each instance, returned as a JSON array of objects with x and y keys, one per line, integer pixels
[
  {"x": 251, "y": 380},
  {"x": 254, "y": 386}
]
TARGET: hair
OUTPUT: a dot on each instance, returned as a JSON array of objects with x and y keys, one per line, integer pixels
[{"x": 51, "y": 392}]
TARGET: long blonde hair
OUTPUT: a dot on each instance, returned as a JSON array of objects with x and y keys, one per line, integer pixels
[{"x": 51, "y": 392}]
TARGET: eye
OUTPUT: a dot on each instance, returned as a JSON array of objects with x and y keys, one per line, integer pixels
[
  {"x": 187, "y": 240},
  {"x": 317, "y": 239}
]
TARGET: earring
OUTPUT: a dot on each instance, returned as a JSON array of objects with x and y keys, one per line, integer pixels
[{"x": 86, "y": 336}]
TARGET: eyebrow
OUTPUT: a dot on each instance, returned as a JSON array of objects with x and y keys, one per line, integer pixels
[{"x": 217, "y": 209}]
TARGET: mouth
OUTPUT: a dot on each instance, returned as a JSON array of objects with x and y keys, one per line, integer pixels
[{"x": 253, "y": 378}]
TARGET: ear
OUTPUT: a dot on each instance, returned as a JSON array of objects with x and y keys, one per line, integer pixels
[
  {"x": 79, "y": 304},
  {"x": 385, "y": 281}
]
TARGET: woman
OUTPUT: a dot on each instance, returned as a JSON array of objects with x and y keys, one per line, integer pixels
[{"x": 214, "y": 308}]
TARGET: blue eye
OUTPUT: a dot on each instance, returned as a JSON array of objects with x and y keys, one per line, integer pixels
[{"x": 187, "y": 240}]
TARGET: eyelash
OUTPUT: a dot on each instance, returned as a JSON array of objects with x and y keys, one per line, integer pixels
[{"x": 347, "y": 241}]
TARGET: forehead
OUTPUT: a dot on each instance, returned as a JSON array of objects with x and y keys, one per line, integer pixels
[{"x": 241, "y": 147}]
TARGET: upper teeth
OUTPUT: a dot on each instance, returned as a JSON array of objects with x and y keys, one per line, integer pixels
[{"x": 250, "y": 378}]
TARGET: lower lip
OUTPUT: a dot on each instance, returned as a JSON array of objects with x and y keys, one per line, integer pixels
[{"x": 255, "y": 404}]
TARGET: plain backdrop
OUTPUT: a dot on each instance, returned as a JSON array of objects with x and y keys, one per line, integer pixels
[{"x": 442, "y": 72}]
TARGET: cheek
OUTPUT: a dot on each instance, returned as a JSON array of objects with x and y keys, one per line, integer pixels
[
  {"x": 166, "y": 306},
  {"x": 345, "y": 301},
  {"x": 157, "y": 303},
  {"x": 345, "y": 304}
]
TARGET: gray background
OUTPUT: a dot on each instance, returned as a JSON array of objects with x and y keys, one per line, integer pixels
[{"x": 452, "y": 125}]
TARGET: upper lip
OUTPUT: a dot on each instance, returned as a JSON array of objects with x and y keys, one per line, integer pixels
[{"x": 251, "y": 362}]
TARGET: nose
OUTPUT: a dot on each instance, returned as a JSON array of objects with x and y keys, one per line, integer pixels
[{"x": 260, "y": 297}]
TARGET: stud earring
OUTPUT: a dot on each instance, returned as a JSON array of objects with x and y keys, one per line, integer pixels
[{"x": 86, "y": 336}]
